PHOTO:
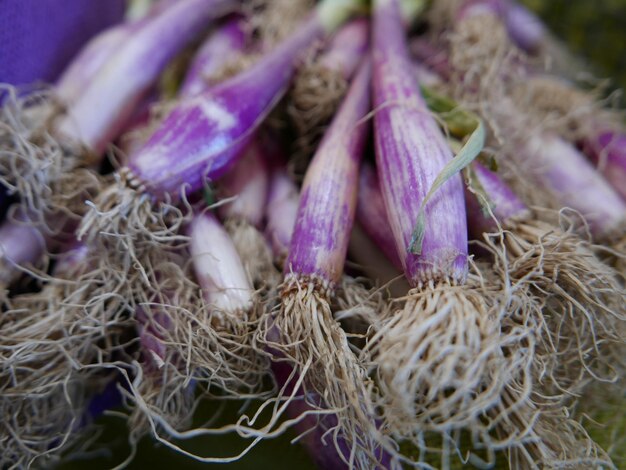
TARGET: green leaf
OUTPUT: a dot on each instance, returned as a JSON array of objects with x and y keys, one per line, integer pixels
[
  {"x": 459, "y": 122},
  {"x": 464, "y": 157}
]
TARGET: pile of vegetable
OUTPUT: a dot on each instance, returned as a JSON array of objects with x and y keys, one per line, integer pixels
[{"x": 396, "y": 228}]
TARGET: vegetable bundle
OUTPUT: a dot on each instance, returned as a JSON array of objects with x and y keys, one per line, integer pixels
[{"x": 445, "y": 286}]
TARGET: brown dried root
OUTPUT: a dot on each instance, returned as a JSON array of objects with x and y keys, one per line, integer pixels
[
  {"x": 50, "y": 354},
  {"x": 551, "y": 439},
  {"x": 561, "y": 107},
  {"x": 440, "y": 15},
  {"x": 36, "y": 428},
  {"x": 51, "y": 178},
  {"x": 254, "y": 252},
  {"x": 209, "y": 346},
  {"x": 274, "y": 20},
  {"x": 483, "y": 60},
  {"x": 68, "y": 325},
  {"x": 160, "y": 395},
  {"x": 128, "y": 230},
  {"x": 305, "y": 334},
  {"x": 583, "y": 322},
  {"x": 314, "y": 99},
  {"x": 446, "y": 358}
]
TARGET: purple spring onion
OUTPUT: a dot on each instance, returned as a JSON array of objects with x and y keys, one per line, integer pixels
[
  {"x": 90, "y": 60},
  {"x": 525, "y": 29},
  {"x": 308, "y": 335},
  {"x": 579, "y": 307},
  {"x": 322, "y": 83},
  {"x": 312, "y": 421},
  {"x": 222, "y": 344},
  {"x": 227, "y": 40},
  {"x": 574, "y": 114},
  {"x": 199, "y": 140},
  {"x": 572, "y": 181},
  {"x": 586, "y": 312},
  {"x": 550, "y": 163},
  {"x": 248, "y": 185},
  {"x": 281, "y": 213},
  {"x": 441, "y": 359},
  {"x": 127, "y": 75},
  {"x": 52, "y": 170}
]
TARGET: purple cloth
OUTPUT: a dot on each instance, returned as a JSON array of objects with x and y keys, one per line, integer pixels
[{"x": 39, "y": 37}]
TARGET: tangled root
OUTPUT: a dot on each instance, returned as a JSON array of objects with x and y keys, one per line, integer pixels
[
  {"x": 315, "y": 96},
  {"x": 583, "y": 320},
  {"x": 358, "y": 308},
  {"x": 482, "y": 59},
  {"x": 206, "y": 345},
  {"x": 51, "y": 179},
  {"x": 254, "y": 252},
  {"x": 305, "y": 335},
  {"x": 617, "y": 255},
  {"x": 127, "y": 229},
  {"x": 68, "y": 325},
  {"x": 440, "y": 15},
  {"x": 560, "y": 107},
  {"x": 37, "y": 427},
  {"x": 160, "y": 395},
  {"x": 446, "y": 359},
  {"x": 551, "y": 439},
  {"x": 274, "y": 20}
]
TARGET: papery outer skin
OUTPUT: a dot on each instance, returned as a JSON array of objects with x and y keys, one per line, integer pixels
[
  {"x": 328, "y": 196},
  {"x": 203, "y": 136},
  {"x": 221, "y": 45},
  {"x": 281, "y": 212},
  {"x": 371, "y": 213},
  {"x": 105, "y": 105},
  {"x": 218, "y": 268},
  {"x": 248, "y": 182},
  {"x": 608, "y": 151},
  {"x": 410, "y": 152},
  {"x": 525, "y": 30},
  {"x": 506, "y": 206},
  {"x": 347, "y": 48},
  {"x": 573, "y": 182},
  {"x": 20, "y": 244}
]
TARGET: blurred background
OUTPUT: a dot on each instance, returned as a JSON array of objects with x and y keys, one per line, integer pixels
[{"x": 594, "y": 29}]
